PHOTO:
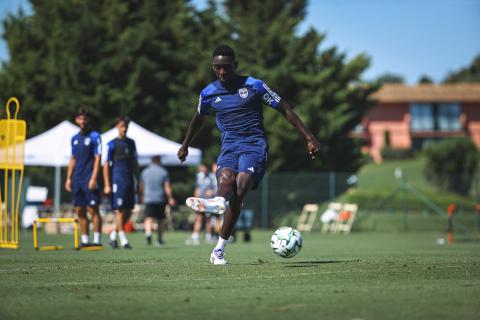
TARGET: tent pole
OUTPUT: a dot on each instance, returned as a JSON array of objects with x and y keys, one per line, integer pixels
[{"x": 56, "y": 203}]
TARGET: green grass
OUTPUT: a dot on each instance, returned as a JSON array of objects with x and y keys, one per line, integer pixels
[{"x": 359, "y": 276}]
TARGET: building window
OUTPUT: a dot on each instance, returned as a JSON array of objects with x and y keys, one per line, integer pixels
[
  {"x": 449, "y": 117},
  {"x": 421, "y": 116},
  {"x": 435, "y": 117}
]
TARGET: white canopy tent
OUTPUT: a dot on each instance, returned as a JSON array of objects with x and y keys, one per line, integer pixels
[
  {"x": 150, "y": 144},
  {"x": 52, "y": 149}
]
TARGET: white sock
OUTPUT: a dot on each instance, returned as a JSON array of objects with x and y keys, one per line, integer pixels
[
  {"x": 221, "y": 244},
  {"x": 97, "y": 237},
  {"x": 85, "y": 239},
  {"x": 208, "y": 236},
  {"x": 123, "y": 238},
  {"x": 113, "y": 235},
  {"x": 148, "y": 233},
  {"x": 195, "y": 236}
]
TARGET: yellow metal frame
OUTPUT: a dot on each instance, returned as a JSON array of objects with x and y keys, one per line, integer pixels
[
  {"x": 12, "y": 144},
  {"x": 55, "y": 220}
]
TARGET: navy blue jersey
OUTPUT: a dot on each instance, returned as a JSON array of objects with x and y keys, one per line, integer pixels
[
  {"x": 238, "y": 110},
  {"x": 85, "y": 147},
  {"x": 122, "y": 156}
]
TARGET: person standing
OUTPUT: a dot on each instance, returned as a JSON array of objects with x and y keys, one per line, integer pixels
[
  {"x": 156, "y": 193},
  {"x": 119, "y": 173},
  {"x": 82, "y": 177},
  {"x": 237, "y": 101}
]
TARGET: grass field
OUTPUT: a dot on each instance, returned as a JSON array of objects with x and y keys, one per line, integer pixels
[{"x": 359, "y": 276}]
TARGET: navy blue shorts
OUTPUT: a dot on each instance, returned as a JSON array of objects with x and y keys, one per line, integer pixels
[
  {"x": 123, "y": 195},
  {"x": 82, "y": 196},
  {"x": 244, "y": 154}
]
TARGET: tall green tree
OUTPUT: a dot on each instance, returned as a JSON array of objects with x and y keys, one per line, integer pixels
[
  {"x": 470, "y": 73},
  {"x": 325, "y": 89}
]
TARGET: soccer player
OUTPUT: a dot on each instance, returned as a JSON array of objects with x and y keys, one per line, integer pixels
[
  {"x": 157, "y": 192},
  {"x": 82, "y": 174},
  {"x": 239, "y": 116},
  {"x": 119, "y": 172}
]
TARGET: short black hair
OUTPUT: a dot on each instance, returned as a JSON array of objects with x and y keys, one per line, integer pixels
[
  {"x": 224, "y": 50},
  {"x": 124, "y": 119},
  {"x": 82, "y": 111}
]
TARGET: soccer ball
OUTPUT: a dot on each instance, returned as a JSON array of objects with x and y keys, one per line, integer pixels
[{"x": 286, "y": 242}]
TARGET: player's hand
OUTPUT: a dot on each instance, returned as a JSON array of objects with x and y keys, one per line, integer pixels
[
  {"x": 171, "y": 202},
  {"x": 92, "y": 184},
  {"x": 68, "y": 185},
  {"x": 182, "y": 153},
  {"x": 313, "y": 147},
  {"x": 107, "y": 190}
]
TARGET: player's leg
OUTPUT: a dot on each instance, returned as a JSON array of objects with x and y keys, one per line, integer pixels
[
  {"x": 160, "y": 217},
  {"x": 120, "y": 221},
  {"x": 83, "y": 222},
  {"x": 194, "y": 239},
  {"x": 97, "y": 225}
]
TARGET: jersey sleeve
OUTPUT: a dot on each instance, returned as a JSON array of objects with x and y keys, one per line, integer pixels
[
  {"x": 110, "y": 149},
  {"x": 97, "y": 144},
  {"x": 72, "y": 145},
  {"x": 269, "y": 97},
  {"x": 203, "y": 106}
]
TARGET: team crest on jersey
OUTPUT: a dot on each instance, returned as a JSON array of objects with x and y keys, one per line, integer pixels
[
  {"x": 75, "y": 142},
  {"x": 243, "y": 92},
  {"x": 87, "y": 141}
]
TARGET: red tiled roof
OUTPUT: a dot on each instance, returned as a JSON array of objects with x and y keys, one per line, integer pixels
[{"x": 462, "y": 92}]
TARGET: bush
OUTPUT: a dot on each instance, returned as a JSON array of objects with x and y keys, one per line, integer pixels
[
  {"x": 389, "y": 153},
  {"x": 451, "y": 164}
]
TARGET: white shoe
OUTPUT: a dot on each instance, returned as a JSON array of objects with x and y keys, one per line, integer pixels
[
  {"x": 217, "y": 258},
  {"x": 192, "y": 242},
  {"x": 214, "y": 206}
]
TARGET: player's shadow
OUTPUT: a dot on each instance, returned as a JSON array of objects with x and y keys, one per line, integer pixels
[{"x": 312, "y": 264}]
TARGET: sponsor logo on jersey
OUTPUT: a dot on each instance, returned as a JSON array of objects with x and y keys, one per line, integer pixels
[
  {"x": 87, "y": 141},
  {"x": 218, "y": 100},
  {"x": 243, "y": 92},
  {"x": 270, "y": 96}
]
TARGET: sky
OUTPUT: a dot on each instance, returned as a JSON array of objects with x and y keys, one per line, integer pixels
[{"x": 410, "y": 38}]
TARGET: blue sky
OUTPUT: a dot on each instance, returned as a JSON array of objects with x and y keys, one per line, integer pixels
[{"x": 406, "y": 37}]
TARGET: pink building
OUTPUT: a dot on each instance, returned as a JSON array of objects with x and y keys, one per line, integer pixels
[{"x": 418, "y": 115}]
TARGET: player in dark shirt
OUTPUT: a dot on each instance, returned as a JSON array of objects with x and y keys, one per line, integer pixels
[
  {"x": 237, "y": 101},
  {"x": 82, "y": 175},
  {"x": 119, "y": 173}
]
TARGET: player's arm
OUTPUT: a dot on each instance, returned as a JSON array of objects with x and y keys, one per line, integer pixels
[
  {"x": 195, "y": 125},
  {"x": 92, "y": 184},
  {"x": 68, "y": 181},
  {"x": 168, "y": 191},
  {"x": 312, "y": 143},
  {"x": 106, "y": 178}
]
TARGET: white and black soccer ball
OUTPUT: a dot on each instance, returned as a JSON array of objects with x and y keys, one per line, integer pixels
[{"x": 286, "y": 242}]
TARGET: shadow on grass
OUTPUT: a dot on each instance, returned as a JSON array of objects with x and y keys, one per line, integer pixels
[{"x": 312, "y": 264}]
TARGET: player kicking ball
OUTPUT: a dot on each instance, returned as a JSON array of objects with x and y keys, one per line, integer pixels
[{"x": 237, "y": 101}]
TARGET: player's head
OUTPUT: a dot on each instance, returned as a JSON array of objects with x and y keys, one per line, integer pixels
[
  {"x": 82, "y": 118},
  {"x": 122, "y": 125},
  {"x": 157, "y": 159},
  {"x": 224, "y": 63},
  {"x": 202, "y": 168}
]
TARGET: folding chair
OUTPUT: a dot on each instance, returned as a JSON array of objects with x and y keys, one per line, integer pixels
[
  {"x": 330, "y": 225},
  {"x": 345, "y": 218},
  {"x": 307, "y": 217}
]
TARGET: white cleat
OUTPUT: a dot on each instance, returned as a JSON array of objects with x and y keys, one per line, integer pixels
[
  {"x": 192, "y": 242},
  {"x": 214, "y": 206},
  {"x": 217, "y": 258}
]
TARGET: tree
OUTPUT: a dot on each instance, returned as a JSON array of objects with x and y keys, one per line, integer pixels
[
  {"x": 424, "y": 79},
  {"x": 390, "y": 78},
  {"x": 470, "y": 73},
  {"x": 325, "y": 90}
]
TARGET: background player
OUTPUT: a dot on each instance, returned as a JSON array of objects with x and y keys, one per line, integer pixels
[
  {"x": 119, "y": 172},
  {"x": 156, "y": 192},
  {"x": 82, "y": 174},
  {"x": 242, "y": 160}
]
